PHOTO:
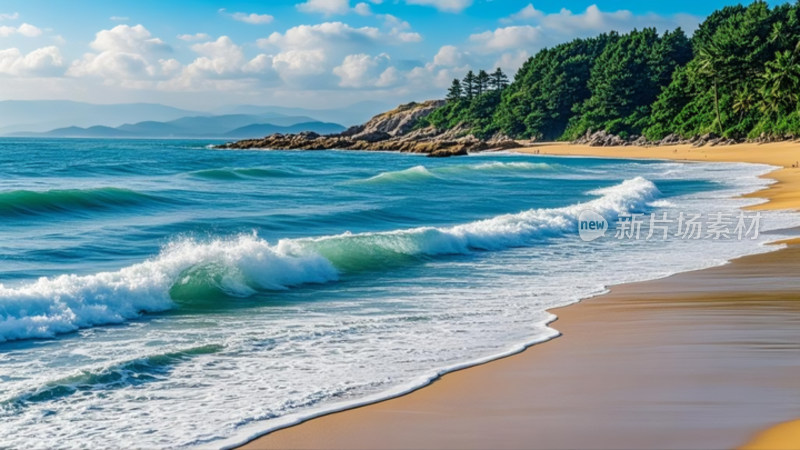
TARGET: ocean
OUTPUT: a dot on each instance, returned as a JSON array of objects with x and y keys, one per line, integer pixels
[{"x": 162, "y": 293}]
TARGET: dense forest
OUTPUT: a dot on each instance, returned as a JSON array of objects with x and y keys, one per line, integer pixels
[{"x": 738, "y": 76}]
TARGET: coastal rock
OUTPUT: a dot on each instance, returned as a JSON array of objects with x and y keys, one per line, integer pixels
[
  {"x": 395, "y": 130},
  {"x": 601, "y": 138}
]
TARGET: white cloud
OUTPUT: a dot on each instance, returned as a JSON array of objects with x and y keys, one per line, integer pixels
[
  {"x": 46, "y": 61},
  {"x": 300, "y": 63},
  {"x": 542, "y": 30},
  {"x": 399, "y": 29},
  {"x": 326, "y": 7},
  {"x": 362, "y": 70},
  {"x": 253, "y": 18},
  {"x": 330, "y": 35},
  {"x": 450, "y": 56},
  {"x": 526, "y": 13},
  {"x": 593, "y": 20},
  {"x": 220, "y": 57},
  {"x": 125, "y": 38},
  {"x": 221, "y": 64},
  {"x": 308, "y": 54},
  {"x": 509, "y": 37},
  {"x": 25, "y": 29},
  {"x": 194, "y": 37},
  {"x": 362, "y": 9},
  {"x": 453, "y": 6},
  {"x": 9, "y": 16},
  {"x": 123, "y": 53}
]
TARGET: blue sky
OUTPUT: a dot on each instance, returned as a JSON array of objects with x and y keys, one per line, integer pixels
[{"x": 311, "y": 53}]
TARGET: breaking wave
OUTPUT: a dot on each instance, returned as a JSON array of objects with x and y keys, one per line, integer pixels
[{"x": 190, "y": 271}]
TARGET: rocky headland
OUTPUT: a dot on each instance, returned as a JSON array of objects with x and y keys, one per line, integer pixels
[{"x": 395, "y": 130}]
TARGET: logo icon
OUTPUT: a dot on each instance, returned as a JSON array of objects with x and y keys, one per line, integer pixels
[{"x": 591, "y": 225}]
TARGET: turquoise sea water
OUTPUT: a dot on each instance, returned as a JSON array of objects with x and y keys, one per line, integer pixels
[{"x": 163, "y": 293}]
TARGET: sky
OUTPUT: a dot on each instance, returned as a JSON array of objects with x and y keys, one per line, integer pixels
[{"x": 203, "y": 54}]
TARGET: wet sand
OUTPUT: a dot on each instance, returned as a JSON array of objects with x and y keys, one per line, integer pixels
[{"x": 705, "y": 359}]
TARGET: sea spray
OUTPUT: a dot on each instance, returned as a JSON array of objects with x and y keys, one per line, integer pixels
[
  {"x": 422, "y": 173},
  {"x": 189, "y": 271}
]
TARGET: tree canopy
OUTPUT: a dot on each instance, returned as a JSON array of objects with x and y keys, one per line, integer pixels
[{"x": 738, "y": 76}]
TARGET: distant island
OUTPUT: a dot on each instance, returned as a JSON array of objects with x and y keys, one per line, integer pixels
[
  {"x": 63, "y": 118},
  {"x": 736, "y": 79},
  {"x": 235, "y": 126}
]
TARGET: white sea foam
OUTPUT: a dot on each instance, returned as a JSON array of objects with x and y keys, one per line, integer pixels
[
  {"x": 235, "y": 267},
  {"x": 420, "y": 173},
  {"x": 241, "y": 266},
  {"x": 415, "y": 173}
]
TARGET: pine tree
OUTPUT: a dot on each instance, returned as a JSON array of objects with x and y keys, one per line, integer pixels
[
  {"x": 469, "y": 85},
  {"x": 455, "y": 92},
  {"x": 482, "y": 82},
  {"x": 499, "y": 80}
]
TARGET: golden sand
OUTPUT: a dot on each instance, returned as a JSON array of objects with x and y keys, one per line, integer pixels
[
  {"x": 783, "y": 195},
  {"x": 785, "y": 436}
]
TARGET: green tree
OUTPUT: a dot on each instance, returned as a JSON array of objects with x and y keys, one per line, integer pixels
[
  {"x": 781, "y": 83},
  {"x": 482, "y": 82},
  {"x": 744, "y": 100},
  {"x": 469, "y": 85},
  {"x": 455, "y": 92},
  {"x": 499, "y": 80},
  {"x": 710, "y": 66}
]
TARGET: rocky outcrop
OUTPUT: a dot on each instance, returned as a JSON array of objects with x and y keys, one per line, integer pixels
[
  {"x": 605, "y": 139},
  {"x": 390, "y": 131}
]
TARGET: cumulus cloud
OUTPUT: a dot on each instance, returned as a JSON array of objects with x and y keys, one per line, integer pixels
[
  {"x": 325, "y": 7},
  {"x": 124, "y": 53},
  {"x": 510, "y": 37},
  {"x": 9, "y": 16},
  {"x": 450, "y": 56},
  {"x": 25, "y": 29},
  {"x": 336, "y": 7},
  {"x": 253, "y": 18},
  {"x": 453, "y": 6},
  {"x": 363, "y": 9},
  {"x": 399, "y": 29},
  {"x": 324, "y": 35},
  {"x": 220, "y": 64},
  {"x": 308, "y": 55},
  {"x": 565, "y": 24},
  {"x": 362, "y": 70},
  {"x": 46, "y": 61},
  {"x": 194, "y": 37}
]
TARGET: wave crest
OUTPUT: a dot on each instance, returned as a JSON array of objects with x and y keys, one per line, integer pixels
[
  {"x": 422, "y": 173},
  {"x": 31, "y": 203},
  {"x": 188, "y": 271}
]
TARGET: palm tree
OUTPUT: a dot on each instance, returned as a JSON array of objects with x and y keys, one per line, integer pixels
[
  {"x": 780, "y": 82},
  {"x": 710, "y": 57},
  {"x": 744, "y": 101}
]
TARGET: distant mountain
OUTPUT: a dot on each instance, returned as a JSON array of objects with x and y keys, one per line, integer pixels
[
  {"x": 95, "y": 131},
  {"x": 264, "y": 129},
  {"x": 350, "y": 115},
  {"x": 43, "y": 115},
  {"x": 225, "y": 126}
]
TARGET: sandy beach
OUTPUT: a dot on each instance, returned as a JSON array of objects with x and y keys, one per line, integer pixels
[{"x": 704, "y": 359}]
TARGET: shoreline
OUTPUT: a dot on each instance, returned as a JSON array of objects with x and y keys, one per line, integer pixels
[{"x": 316, "y": 432}]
